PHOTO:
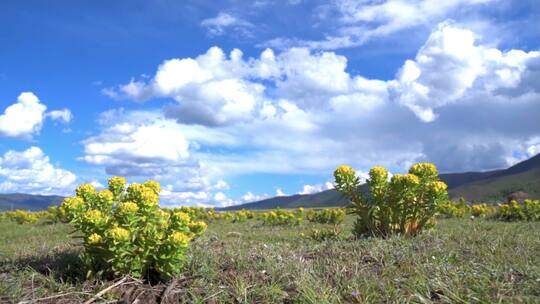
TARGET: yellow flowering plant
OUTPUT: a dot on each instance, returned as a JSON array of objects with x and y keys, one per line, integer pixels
[
  {"x": 481, "y": 210},
  {"x": 23, "y": 217},
  {"x": 405, "y": 204},
  {"x": 125, "y": 231},
  {"x": 282, "y": 217},
  {"x": 451, "y": 209},
  {"x": 334, "y": 216},
  {"x": 199, "y": 213},
  {"x": 241, "y": 216},
  {"x": 514, "y": 211}
]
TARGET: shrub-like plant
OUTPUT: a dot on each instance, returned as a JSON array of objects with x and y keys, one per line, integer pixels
[
  {"x": 513, "y": 211},
  {"x": 321, "y": 235},
  {"x": 404, "y": 205},
  {"x": 451, "y": 209},
  {"x": 332, "y": 216},
  {"x": 280, "y": 217},
  {"x": 22, "y": 217},
  {"x": 125, "y": 231},
  {"x": 242, "y": 216},
  {"x": 481, "y": 210}
]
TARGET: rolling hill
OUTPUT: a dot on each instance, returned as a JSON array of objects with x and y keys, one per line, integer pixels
[
  {"x": 490, "y": 186},
  {"x": 28, "y": 201}
]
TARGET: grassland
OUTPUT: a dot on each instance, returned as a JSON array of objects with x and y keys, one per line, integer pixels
[{"x": 459, "y": 261}]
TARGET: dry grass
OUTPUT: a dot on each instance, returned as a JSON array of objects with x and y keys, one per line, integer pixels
[{"x": 460, "y": 261}]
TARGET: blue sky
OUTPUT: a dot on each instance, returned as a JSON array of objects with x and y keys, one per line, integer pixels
[{"x": 234, "y": 101}]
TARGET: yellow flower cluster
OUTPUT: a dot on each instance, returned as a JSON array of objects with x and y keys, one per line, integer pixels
[
  {"x": 94, "y": 239},
  {"x": 197, "y": 227},
  {"x": 154, "y": 185},
  {"x": 93, "y": 216},
  {"x": 127, "y": 208},
  {"x": 117, "y": 184},
  {"x": 180, "y": 217},
  {"x": 72, "y": 203},
  {"x": 344, "y": 170},
  {"x": 424, "y": 170},
  {"x": 22, "y": 216},
  {"x": 480, "y": 210},
  {"x": 378, "y": 171},
  {"x": 405, "y": 205},
  {"x": 280, "y": 217},
  {"x": 85, "y": 190},
  {"x": 179, "y": 239},
  {"x": 106, "y": 197},
  {"x": 142, "y": 195},
  {"x": 438, "y": 186},
  {"x": 129, "y": 227},
  {"x": 119, "y": 234},
  {"x": 326, "y": 216},
  {"x": 405, "y": 179}
]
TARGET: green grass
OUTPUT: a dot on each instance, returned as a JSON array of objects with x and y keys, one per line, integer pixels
[{"x": 459, "y": 261}]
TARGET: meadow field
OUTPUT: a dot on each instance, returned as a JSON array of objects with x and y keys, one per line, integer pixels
[{"x": 460, "y": 260}]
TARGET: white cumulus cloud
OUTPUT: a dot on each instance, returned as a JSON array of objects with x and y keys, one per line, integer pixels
[
  {"x": 30, "y": 171},
  {"x": 138, "y": 148},
  {"x": 25, "y": 117},
  {"x": 310, "y": 113},
  {"x": 310, "y": 189},
  {"x": 451, "y": 63}
]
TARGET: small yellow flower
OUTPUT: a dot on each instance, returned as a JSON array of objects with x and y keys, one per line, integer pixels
[
  {"x": 71, "y": 203},
  {"x": 378, "y": 170},
  {"x": 94, "y": 239},
  {"x": 117, "y": 184},
  {"x": 378, "y": 175},
  {"x": 93, "y": 216},
  {"x": 85, "y": 191},
  {"x": 119, "y": 234},
  {"x": 405, "y": 179},
  {"x": 344, "y": 170},
  {"x": 179, "y": 239},
  {"x": 106, "y": 197},
  {"x": 423, "y": 170},
  {"x": 142, "y": 195},
  {"x": 181, "y": 217},
  {"x": 438, "y": 186},
  {"x": 127, "y": 208},
  {"x": 154, "y": 185},
  {"x": 197, "y": 227}
]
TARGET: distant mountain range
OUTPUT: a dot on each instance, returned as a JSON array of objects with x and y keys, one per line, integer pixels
[
  {"x": 489, "y": 186},
  {"x": 28, "y": 201}
]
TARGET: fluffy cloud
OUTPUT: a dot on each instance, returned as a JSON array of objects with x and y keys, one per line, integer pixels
[
  {"x": 138, "y": 149},
  {"x": 224, "y": 21},
  {"x": 209, "y": 89},
  {"x": 361, "y": 21},
  {"x": 145, "y": 145},
  {"x": 309, "y": 114},
  {"x": 310, "y": 189},
  {"x": 30, "y": 171},
  {"x": 450, "y": 63},
  {"x": 25, "y": 117},
  {"x": 216, "y": 90}
]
